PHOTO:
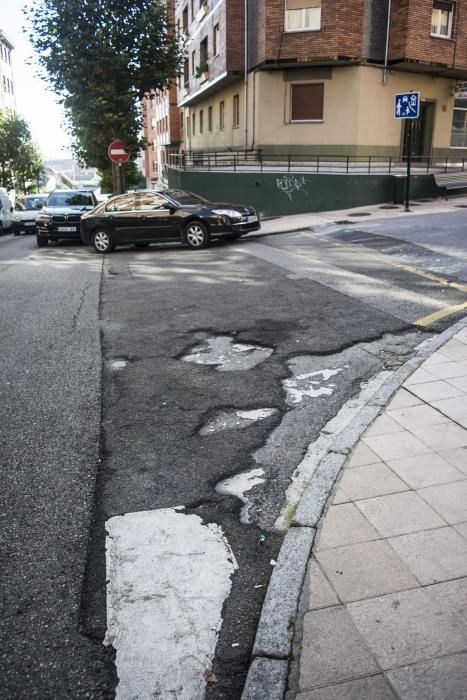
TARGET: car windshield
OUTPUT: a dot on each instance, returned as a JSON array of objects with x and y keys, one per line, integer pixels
[
  {"x": 70, "y": 199},
  {"x": 185, "y": 198},
  {"x": 34, "y": 202}
]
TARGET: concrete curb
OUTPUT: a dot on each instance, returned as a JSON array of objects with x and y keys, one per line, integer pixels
[{"x": 273, "y": 644}]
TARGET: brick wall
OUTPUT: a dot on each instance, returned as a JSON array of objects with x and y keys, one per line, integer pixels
[
  {"x": 341, "y": 32},
  {"x": 411, "y": 34}
]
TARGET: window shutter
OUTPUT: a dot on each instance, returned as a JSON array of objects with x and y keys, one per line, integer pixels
[
  {"x": 307, "y": 102},
  {"x": 302, "y": 4}
]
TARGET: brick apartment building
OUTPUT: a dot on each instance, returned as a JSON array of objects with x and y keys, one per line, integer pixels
[
  {"x": 321, "y": 75},
  {"x": 161, "y": 127},
  {"x": 7, "y": 89},
  {"x": 162, "y": 133}
]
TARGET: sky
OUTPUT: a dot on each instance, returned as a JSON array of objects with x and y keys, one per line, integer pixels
[{"x": 34, "y": 101}]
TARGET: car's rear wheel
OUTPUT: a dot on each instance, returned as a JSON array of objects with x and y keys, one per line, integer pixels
[
  {"x": 102, "y": 241},
  {"x": 42, "y": 241},
  {"x": 196, "y": 235}
]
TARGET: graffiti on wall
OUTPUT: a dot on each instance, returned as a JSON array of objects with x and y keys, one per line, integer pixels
[{"x": 290, "y": 185}]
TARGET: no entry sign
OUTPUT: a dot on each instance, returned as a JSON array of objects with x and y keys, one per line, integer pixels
[{"x": 118, "y": 152}]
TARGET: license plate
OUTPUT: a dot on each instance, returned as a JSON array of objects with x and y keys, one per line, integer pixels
[
  {"x": 29, "y": 223},
  {"x": 251, "y": 219},
  {"x": 67, "y": 228}
]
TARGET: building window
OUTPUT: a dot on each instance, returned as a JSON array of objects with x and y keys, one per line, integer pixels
[
  {"x": 201, "y": 121},
  {"x": 192, "y": 11},
  {"x": 302, "y": 15},
  {"x": 193, "y": 124},
  {"x": 236, "y": 112},
  {"x": 188, "y": 126},
  {"x": 459, "y": 118},
  {"x": 221, "y": 115},
  {"x": 209, "y": 118},
  {"x": 307, "y": 102},
  {"x": 186, "y": 73},
  {"x": 215, "y": 40},
  {"x": 185, "y": 20},
  {"x": 441, "y": 19},
  {"x": 193, "y": 59}
]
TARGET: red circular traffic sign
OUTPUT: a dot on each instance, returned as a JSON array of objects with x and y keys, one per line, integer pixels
[{"x": 118, "y": 152}]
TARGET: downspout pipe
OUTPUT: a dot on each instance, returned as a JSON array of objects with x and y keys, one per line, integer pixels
[
  {"x": 245, "y": 77},
  {"x": 386, "y": 53}
]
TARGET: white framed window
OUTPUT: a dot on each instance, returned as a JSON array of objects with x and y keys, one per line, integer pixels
[
  {"x": 459, "y": 119},
  {"x": 441, "y": 19},
  {"x": 302, "y": 15}
]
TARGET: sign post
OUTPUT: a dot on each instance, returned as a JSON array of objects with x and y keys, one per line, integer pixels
[
  {"x": 407, "y": 106},
  {"x": 119, "y": 153}
]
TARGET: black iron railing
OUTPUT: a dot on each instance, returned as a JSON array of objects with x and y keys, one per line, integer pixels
[{"x": 257, "y": 161}]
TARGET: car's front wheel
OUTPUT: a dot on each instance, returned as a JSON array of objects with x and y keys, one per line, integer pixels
[
  {"x": 42, "y": 241},
  {"x": 102, "y": 241},
  {"x": 196, "y": 235}
]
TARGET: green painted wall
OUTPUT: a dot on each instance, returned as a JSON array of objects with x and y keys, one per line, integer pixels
[{"x": 281, "y": 194}]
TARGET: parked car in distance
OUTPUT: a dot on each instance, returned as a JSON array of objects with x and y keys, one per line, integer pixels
[
  {"x": 6, "y": 209},
  {"x": 25, "y": 212},
  {"x": 61, "y": 215},
  {"x": 144, "y": 217}
]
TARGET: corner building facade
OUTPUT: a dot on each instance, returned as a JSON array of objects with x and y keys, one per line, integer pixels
[{"x": 319, "y": 76}]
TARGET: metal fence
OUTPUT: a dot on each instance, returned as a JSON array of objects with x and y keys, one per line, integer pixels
[{"x": 257, "y": 161}]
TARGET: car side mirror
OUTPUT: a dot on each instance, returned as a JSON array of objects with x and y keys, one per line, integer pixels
[{"x": 170, "y": 207}]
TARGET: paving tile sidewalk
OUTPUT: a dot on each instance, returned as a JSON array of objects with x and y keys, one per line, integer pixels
[{"x": 385, "y": 597}]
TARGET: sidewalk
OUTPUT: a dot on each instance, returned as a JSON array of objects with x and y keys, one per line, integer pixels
[
  {"x": 297, "y": 222},
  {"x": 384, "y": 603}
]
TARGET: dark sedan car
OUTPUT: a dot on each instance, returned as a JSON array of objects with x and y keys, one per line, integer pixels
[
  {"x": 145, "y": 217},
  {"x": 60, "y": 217}
]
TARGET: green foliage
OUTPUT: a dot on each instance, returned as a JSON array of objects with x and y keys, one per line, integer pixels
[
  {"x": 21, "y": 163},
  {"x": 102, "y": 57},
  {"x": 133, "y": 176}
]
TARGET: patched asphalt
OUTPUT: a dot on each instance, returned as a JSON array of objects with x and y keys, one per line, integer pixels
[{"x": 156, "y": 306}]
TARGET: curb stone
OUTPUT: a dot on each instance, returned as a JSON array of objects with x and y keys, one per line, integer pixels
[
  {"x": 275, "y": 629},
  {"x": 267, "y": 679}
]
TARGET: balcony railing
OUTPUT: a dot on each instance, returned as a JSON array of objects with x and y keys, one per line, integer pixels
[{"x": 257, "y": 161}]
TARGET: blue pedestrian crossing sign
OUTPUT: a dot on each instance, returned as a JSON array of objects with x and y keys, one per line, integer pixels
[{"x": 407, "y": 105}]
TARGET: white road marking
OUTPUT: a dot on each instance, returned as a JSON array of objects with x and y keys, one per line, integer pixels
[
  {"x": 168, "y": 575},
  {"x": 310, "y": 384},
  {"x": 227, "y": 355},
  {"x": 238, "y": 485}
]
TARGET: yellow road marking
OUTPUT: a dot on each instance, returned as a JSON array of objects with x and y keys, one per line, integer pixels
[
  {"x": 437, "y": 315},
  {"x": 426, "y": 320},
  {"x": 402, "y": 266}
]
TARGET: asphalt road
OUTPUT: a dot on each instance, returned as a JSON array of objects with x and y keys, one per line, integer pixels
[{"x": 334, "y": 306}]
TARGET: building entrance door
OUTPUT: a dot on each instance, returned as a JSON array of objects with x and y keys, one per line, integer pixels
[{"x": 422, "y": 133}]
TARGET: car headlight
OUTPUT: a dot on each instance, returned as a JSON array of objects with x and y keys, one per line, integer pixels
[{"x": 231, "y": 213}]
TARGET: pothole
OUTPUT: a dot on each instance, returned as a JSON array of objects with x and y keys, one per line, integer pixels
[
  {"x": 234, "y": 419},
  {"x": 311, "y": 385},
  {"x": 240, "y": 484},
  {"x": 227, "y": 355},
  {"x": 118, "y": 364}
]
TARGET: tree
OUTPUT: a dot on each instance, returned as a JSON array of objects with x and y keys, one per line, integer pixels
[
  {"x": 102, "y": 57},
  {"x": 20, "y": 160}
]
